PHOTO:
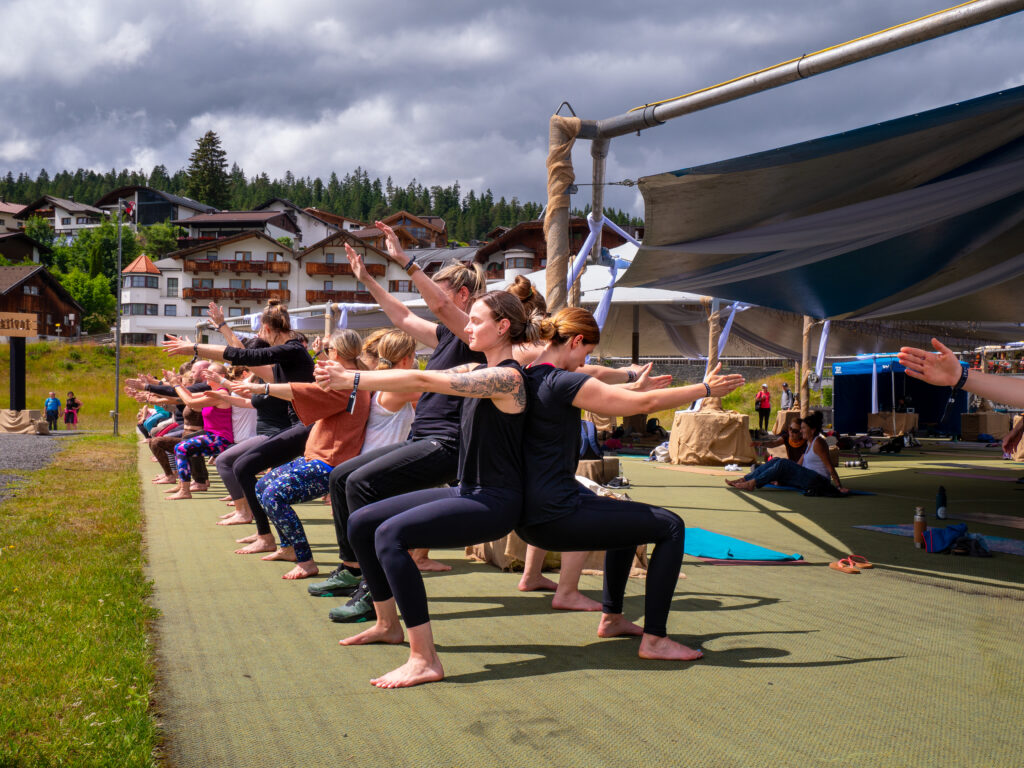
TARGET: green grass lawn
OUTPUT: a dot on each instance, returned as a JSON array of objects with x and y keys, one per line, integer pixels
[
  {"x": 88, "y": 371},
  {"x": 76, "y": 668}
]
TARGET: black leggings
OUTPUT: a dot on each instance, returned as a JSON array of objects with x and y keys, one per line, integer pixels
[
  {"x": 278, "y": 450},
  {"x": 385, "y": 472},
  {"x": 381, "y": 534},
  {"x": 620, "y": 527}
]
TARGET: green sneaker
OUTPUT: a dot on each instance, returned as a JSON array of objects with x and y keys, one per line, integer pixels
[
  {"x": 358, "y": 609},
  {"x": 341, "y": 581}
]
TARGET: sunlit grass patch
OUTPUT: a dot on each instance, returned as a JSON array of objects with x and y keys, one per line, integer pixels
[{"x": 75, "y": 665}]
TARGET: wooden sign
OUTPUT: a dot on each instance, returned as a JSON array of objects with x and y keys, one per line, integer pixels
[{"x": 18, "y": 324}]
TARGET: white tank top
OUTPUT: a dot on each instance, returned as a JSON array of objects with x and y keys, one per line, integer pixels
[
  {"x": 384, "y": 427},
  {"x": 243, "y": 423},
  {"x": 813, "y": 462}
]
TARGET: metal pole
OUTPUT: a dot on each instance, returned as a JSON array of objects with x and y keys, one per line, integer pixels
[
  {"x": 117, "y": 328},
  {"x": 885, "y": 41},
  {"x": 599, "y": 152}
]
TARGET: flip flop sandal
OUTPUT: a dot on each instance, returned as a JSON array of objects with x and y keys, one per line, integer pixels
[
  {"x": 843, "y": 565},
  {"x": 859, "y": 561}
]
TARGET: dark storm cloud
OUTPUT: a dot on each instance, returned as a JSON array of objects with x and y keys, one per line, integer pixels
[{"x": 457, "y": 91}]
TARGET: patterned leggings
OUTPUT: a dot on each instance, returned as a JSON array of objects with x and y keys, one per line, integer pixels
[
  {"x": 293, "y": 483},
  {"x": 200, "y": 445}
]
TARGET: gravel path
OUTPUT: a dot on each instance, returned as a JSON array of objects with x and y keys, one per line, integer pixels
[{"x": 23, "y": 453}]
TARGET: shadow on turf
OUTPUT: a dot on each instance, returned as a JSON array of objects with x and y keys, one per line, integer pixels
[{"x": 620, "y": 655}]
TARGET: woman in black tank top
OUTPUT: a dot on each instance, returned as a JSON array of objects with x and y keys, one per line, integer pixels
[
  {"x": 485, "y": 506},
  {"x": 558, "y": 516}
]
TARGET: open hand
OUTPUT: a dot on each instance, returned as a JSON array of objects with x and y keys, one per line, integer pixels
[
  {"x": 723, "y": 385},
  {"x": 330, "y": 374},
  {"x": 215, "y": 313},
  {"x": 942, "y": 369},
  {"x": 178, "y": 345},
  {"x": 645, "y": 382},
  {"x": 394, "y": 247},
  {"x": 356, "y": 262}
]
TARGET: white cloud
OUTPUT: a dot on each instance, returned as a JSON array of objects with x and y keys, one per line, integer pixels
[{"x": 16, "y": 150}]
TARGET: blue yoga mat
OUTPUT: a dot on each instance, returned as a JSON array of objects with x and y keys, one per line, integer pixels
[
  {"x": 995, "y": 543},
  {"x": 715, "y": 546},
  {"x": 771, "y": 487}
]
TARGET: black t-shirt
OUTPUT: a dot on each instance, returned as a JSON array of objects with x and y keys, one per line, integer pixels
[
  {"x": 551, "y": 443},
  {"x": 491, "y": 445},
  {"x": 272, "y": 414},
  {"x": 166, "y": 390},
  {"x": 295, "y": 362},
  {"x": 437, "y": 416}
]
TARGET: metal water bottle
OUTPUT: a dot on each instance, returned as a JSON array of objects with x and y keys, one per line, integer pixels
[
  {"x": 920, "y": 525},
  {"x": 940, "y": 503}
]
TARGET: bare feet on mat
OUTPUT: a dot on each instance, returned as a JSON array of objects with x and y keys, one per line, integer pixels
[
  {"x": 537, "y": 584},
  {"x": 424, "y": 563},
  {"x": 742, "y": 485},
  {"x": 159, "y": 479},
  {"x": 257, "y": 544},
  {"x": 235, "y": 519},
  {"x": 226, "y": 515},
  {"x": 199, "y": 487},
  {"x": 182, "y": 494},
  {"x": 654, "y": 647},
  {"x": 574, "y": 601},
  {"x": 378, "y": 633},
  {"x": 302, "y": 571},
  {"x": 247, "y": 539},
  {"x": 227, "y": 499},
  {"x": 617, "y": 625},
  {"x": 281, "y": 553},
  {"x": 415, "y": 671}
]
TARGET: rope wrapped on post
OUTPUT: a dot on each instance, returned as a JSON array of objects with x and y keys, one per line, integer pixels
[{"x": 562, "y": 135}]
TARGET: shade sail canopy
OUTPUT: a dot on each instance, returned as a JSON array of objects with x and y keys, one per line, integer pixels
[{"x": 919, "y": 218}]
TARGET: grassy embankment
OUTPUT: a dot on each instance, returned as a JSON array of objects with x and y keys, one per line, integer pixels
[
  {"x": 88, "y": 371},
  {"x": 76, "y": 669}
]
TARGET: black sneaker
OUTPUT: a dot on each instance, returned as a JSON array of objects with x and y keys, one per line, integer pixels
[
  {"x": 358, "y": 609},
  {"x": 340, "y": 582}
]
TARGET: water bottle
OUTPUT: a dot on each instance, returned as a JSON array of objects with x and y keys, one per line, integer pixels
[
  {"x": 919, "y": 527},
  {"x": 940, "y": 503}
]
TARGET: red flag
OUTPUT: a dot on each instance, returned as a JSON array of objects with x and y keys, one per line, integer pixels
[{"x": 129, "y": 209}]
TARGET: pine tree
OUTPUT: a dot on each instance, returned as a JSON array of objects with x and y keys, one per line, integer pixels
[{"x": 207, "y": 172}]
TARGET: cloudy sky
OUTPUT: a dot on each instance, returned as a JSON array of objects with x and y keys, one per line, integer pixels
[{"x": 452, "y": 90}]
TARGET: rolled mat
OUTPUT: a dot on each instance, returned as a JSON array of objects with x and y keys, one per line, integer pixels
[{"x": 995, "y": 543}]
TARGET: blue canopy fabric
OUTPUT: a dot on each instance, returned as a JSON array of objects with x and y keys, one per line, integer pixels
[{"x": 919, "y": 218}]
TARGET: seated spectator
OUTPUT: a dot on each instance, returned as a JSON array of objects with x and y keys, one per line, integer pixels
[
  {"x": 792, "y": 438},
  {"x": 813, "y": 473}
]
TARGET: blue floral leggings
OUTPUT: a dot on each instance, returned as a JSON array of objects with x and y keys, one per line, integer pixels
[
  {"x": 293, "y": 483},
  {"x": 200, "y": 445}
]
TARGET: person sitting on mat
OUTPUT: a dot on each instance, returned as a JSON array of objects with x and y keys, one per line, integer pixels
[
  {"x": 813, "y": 472},
  {"x": 791, "y": 437}
]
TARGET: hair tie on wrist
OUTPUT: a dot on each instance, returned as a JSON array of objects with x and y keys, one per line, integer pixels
[
  {"x": 630, "y": 375},
  {"x": 707, "y": 389}
]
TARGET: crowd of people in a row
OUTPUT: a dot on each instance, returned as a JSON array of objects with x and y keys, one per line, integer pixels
[{"x": 491, "y": 447}]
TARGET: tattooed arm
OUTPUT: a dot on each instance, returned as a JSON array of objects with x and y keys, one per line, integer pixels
[{"x": 502, "y": 385}]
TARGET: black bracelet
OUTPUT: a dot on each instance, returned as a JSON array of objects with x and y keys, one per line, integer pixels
[
  {"x": 266, "y": 389},
  {"x": 707, "y": 389},
  {"x": 630, "y": 375},
  {"x": 409, "y": 264},
  {"x": 352, "y": 398},
  {"x": 222, "y": 324},
  {"x": 963, "y": 379}
]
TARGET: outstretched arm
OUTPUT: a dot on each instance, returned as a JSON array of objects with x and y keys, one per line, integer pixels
[
  {"x": 596, "y": 396},
  {"x": 437, "y": 300},
  {"x": 216, "y": 315},
  {"x": 250, "y": 388},
  {"x": 424, "y": 331},
  {"x": 502, "y": 385},
  {"x": 944, "y": 370}
]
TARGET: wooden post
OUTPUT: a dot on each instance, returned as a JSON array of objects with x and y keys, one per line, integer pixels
[
  {"x": 805, "y": 368},
  {"x": 713, "y": 307},
  {"x": 17, "y": 373}
]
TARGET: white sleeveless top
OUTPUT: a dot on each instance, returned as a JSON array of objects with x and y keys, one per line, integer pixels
[
  {"x": 384, "y": 427},
  {"x": 813, "y": 462},
  {"x": 243, "y": 423}
]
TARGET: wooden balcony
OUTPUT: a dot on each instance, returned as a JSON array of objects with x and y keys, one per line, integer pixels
[
  {"x": 343, "y": 297},
  {"x": 314, "y": 268},
  {"x": 217, "y": 267},
  {"x": 236, "y": 294}
]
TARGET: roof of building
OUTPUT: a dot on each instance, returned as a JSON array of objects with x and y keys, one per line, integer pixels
[
  {"x": 141, "y": 265},
  {"x": 12, "y": 277},
  {"x": 111, "y": 198},
  {"x": 10, "y": 207},
  {"x": 230, "y": 217},
  {"x": 318, "y": 215},
  {"x": 49, "y": 200},
  {"x": 208, "y": 244},
  {"x": 333, "y": 218},
  {"x": 435, "y": 223},
  {"x": 20, "y": 235},
  {"x": 339, "y": 238},
  {"x": 506, "y": 240}
]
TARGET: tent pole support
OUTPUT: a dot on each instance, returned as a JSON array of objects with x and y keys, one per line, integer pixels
[
  {"x": 636, "y": 334},
  {"x": 805, "y": 368}
]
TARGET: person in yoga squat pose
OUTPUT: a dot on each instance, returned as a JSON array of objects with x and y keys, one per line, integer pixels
[
  {"x": 558, "y": 516},
  {"x": 487, "y": 503}
]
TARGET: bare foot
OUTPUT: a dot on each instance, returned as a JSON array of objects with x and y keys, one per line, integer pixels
[
  {"x": 540, "y": 583},
  {"x": 654, "y": 647},
  {"x": 574, "y": 601},
  {"x": 426, "y": 564},
  {"x": 302, "y": 570},
  {"x": 199, "y": 487},
  {"x": 378, "y": 633},
  {"x": 281, "y": 553},
  {"x": 181, "y": 494},
  {"x": 256, "y": 545},
  {"x": 415, "y": 671},
  {"x": 616, "y": 625},
  {"x": 236, "y": 519},
  {"x": 172, "y": 490},
  {"x": 231, "y": 502},
  {"x": 163, "y": 479},
  {"x": 247, "y": 539},
  {"x": 226, "y": 515}
]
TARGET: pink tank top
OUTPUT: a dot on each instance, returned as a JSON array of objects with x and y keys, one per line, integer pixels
[{"x": 217, "y": 421}]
